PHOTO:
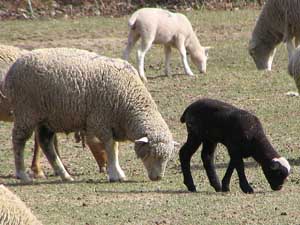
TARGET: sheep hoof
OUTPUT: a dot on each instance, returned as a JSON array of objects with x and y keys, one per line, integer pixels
[
  {"x": 24, "y": 177},
  {"x": 102, "y": 169},
  {"x": 38, "y": 175},
  {"x": 121, "y": 179},
  {"x": 67, "y": 178},
  {"x": 192, "y": 189},
  {"x": 247, "y": 189},
  {"x": 225, "y": 189}
]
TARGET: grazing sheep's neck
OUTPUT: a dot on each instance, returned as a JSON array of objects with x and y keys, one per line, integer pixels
[
  {"x": 263, "y": 151},
  {"x": 193, "y": 45}
]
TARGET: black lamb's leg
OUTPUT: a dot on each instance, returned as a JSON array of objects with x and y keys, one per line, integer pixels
[
  {"x": 185, "y": 155},
  {"x": 238, "y": 163},
  {"x": 207, "y": 156},
  {"x": 227, "y": 177}
]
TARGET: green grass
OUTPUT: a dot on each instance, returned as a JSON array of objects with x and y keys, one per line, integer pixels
[{"x": 231, "y": 77}]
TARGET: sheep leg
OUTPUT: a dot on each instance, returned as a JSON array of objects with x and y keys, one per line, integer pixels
[
  {"x": 207, "y": 156},
  {"x": 46, "y": 139},
  {"x": 167, "y": 50},
  {"x": 115, "y": 173},
  {"x": 182, "y": 50},
  {"x": 99, "y": 153},
  {"x": 145, "y": 46},
  {"x": 36, "y": 160},
  {"x": 132, "y": 39},
  {"x": 227, "y": 177},
  {"x": 20, "y": 135},
  {"x": 238, "y": 164},
  {"x": 185, "y": 154}
]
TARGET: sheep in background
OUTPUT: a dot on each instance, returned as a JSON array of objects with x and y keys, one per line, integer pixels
[
  {"x": 277, "y": 22},
  {"x": 160, "y": 26},
  {"x": 294, "y": 65},
  {"x": 210, "y": 122},
  {"x": 77, "y": 90},
  {"x": 8, "y": 55},
  {"x": 13, "y": 210}
]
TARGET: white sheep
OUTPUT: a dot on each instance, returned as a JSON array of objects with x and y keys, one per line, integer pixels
[
  {"x": 277, "y": 22},
  {"x": 160, "y": 26},
  {"x": 77, "y": 90},
  {"x": 294, "y": 65},
  {"x": 13, "y": 210},
  {"x": 8, "y": 55}
]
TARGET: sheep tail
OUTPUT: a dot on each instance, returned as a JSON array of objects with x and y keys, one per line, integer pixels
[{"x": 131, "y": 21}]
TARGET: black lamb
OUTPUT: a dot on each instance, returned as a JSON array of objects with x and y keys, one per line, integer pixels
[{"x": 210, "y": 122}]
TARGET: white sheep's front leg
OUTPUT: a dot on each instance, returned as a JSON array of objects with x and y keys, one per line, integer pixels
[
  {"x": 167, "y": 59},
  {"x": 115, "y": 173},
  {"x": 182, "y": 50}
]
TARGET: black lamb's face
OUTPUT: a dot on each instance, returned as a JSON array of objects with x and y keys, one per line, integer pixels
[{"x": 277, "y": 172}]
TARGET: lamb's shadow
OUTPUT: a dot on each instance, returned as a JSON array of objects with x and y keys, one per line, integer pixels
[
  {"x": 223, "y": 166},
  {"x": 154, "y": 76}
]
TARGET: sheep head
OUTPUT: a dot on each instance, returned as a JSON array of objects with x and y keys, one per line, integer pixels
[
  {"x": 155, "y": 154},
  {"x": 276, "y": 172},
  {"x": 199, "y": 58},
  {"x": 262, "y": 54}
]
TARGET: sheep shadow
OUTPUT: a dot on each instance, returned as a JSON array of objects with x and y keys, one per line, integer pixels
[{"x": 154, "y": 76}]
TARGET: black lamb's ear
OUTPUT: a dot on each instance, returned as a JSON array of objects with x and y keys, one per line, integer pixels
[{"x": 275, "y": 165}]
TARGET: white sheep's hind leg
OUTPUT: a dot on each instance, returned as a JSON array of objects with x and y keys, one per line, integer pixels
[
  {"x": 20, "y": 135},
  {"x": 182, "y": 50},
  {"x": 46, "y": 140},
  {"x": 145, "y": 46},
  {"x": 168, "y": 51},
  {"x": 132, "y": 39},
  {"x": 115, "y": 173}
]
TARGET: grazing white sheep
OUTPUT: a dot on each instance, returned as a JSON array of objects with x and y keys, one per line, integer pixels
[
  {"x": 8, "y": 55},
  {"x": 294, "y": 65},
  {"x": 160, "y": 26},
  {"x": 77, "y": 90},
  {"x": 13, "y": 210},
  {"x": 277, "y": 22}
]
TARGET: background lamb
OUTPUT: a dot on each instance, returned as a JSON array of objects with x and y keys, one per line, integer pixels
[
  {"x": 160, "y": 26},
  {"x": 277, "y": 22},
  {"x": 8, "y": 55},
  {"x": 13, "y": 210},
  {"x": 210, "y": 122},
  {"x": 81, "y": 91}
]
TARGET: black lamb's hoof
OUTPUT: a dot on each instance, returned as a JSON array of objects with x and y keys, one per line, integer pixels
[
  {"x": 218, "y": 188},
  {"x": 247, "y": 189},
  {"x": 225, "y": 189},
  {"x": 192, "y": 189}
]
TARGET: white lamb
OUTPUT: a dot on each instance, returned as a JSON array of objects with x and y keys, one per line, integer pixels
[
  {"x": 77, "y": 90},
  {"x": 160, "y": 26},
  {"x": 13, "y": 210}
]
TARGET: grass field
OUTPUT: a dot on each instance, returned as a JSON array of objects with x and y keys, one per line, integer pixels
[{"x": 231, "y": 76}]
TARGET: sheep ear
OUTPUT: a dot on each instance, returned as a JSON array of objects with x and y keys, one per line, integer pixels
[
  {"x": 275, "y": 165},
  {"x": 142, "y": 140}
]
